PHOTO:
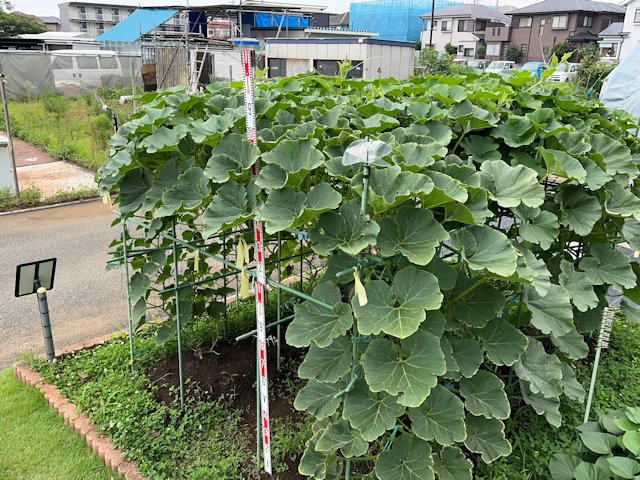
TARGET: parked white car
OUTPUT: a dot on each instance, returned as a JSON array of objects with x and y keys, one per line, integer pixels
[
  {"x": 564, "y": 72},
  {"x": 501, "y": 66}
]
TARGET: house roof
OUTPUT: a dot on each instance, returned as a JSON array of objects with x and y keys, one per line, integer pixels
[
  {"x": 583, "y": 37},
  {"x": 475, "y": 11},
  {"x": 142, "y": 21},
  {"x": 50, "y": 20},
  {"x": 613, "y": 29},
  {"x": 339, "y": 19},
  {"x": 549, "y": 6}
]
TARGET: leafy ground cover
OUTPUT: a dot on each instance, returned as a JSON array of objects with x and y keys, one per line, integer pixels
[
  {"x": 68, "y": 128},
  {"x": 214, "y": 435},
  {"x": 32, "y": 197},
  {"x": 36, "y": 444}
]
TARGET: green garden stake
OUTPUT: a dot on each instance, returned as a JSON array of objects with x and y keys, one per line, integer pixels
[
  {"x": 278, "y": 312},
  {"x": 175, "y": 286},
  {"x": 603, "y": 342},
  {"x": 126, "y": 273}
]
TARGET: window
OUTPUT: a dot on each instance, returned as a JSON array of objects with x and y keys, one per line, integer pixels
[
  {"x": 435, "y": 25},
  {"x": 523, "y": 47},
  {"x": 587, "y": 21},
  {"x": 446, "y": 26},
  {"x": 100, "y": 28},
  {"x": 525, "y": 22},
  {"x": 87, "y": 63},
  {"x": 499, "y": 28},
  {"x": 108, "y": 63},
  {"x": 636, "y": 19},
  {"x": 481, "y": 26},
  {"x": 493, "y": 50},
  {"x": 468, "y": 52},
  {"x": 505, "y": 47},
  {"x": 99, "y": 10},
  {"x": 545, "y": 50},
  {"x": 541, "y": 31},
  {"x": 494, "y": 31},
  {"x": 82, "y": 13},
  {"x": 83, "y": 27},
  {"x": 460, "y": 48},
  {"x": 464, "y": 25},
  {"x": 115, "y": 15},
  {"x": 559, "y": 21},
  {"x": 62, "y": 63}
]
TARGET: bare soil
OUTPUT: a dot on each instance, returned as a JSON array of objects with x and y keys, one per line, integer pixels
[{"x": 232, "y": 370}]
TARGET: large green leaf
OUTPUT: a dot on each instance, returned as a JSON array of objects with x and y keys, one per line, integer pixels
[
  {"x": 470, "y": 117},
  {"x": 232, "y": 205},
  {"x": 190, "y": 192},
  {"x": 167, "y": 178},
  {"x": 579, "y": 287},
  {"x": 233, "y": 154},
  {"x": 624, "y": 467},
  {"x": 348, "y": 230},
  {"x": 597, "y": 442},
  {"x": 468, "y": 355},
  {"x": 281, "y": 209},
  {"x": 412, "y": 232},
  {"x": 631, "y": 233},
  {"x": 374, "y": 123},
  {"x": 481, "y": 148},
  {"x": 542, "y": 230},
  {"x": 589, "y": 471},
  {"x": 572, "y": 387},
  {"x": 579, "y": 209},
  {"x": 315, "y": 323},
  {"x": 133, "y": 189},
  {"x": 631, "y": 441},
  {"x": 486, "y": 436},
  {"x": 474, "y": 211},
  {"x": 445, "y": 189},
  {"x": 327, "y": 364},
  {"x": 551, "y": 313},
  {"x": 413, "y": 291},
  {"x": 478, "y": 305},
  {"x": 484, "y": 395},
  {"x": 596, "y": 176},
  {"x": 164, "y": 139},
  {"x": 318, "y": 399},
  {"x": 562, "y": 164},
  {"x": 340, "y": 435},
  {"x": 563, "y": 465},
  {"x": 371, "y": 413},
  {"x": 572, "y": 345},
  {"x": 391, "y": 186},
  {"x": 296, "y": 157},
  {"x": 616, "y": 155},
  {"x": 502, "y": 341},
  {"x": 550, "y": 407},
  {"x": 484, "y": 247},
  {"x": 415, "y": 157},
  {"x": 621, "y": 201},
  {"x": 408, "y": 368},
  {"x": 445, "y": 273},
  {"x": 516, "y": 131},
  {"x": 512, "y": 186},
  {"x": 408, "y": 459},
  {"x": 606, "y": 266},
  {"x": 542, "y": 371},
  {"x": 441, "y": 416},
  {"x": 314, "y": 463},
  {"x": 211, "y": 131},
  {"x": 451, "y": 464}
]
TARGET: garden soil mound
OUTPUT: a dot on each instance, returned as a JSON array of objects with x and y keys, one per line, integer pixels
[{"x": 231, "y": 370}]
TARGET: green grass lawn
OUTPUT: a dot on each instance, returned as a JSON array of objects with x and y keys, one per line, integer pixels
[{"x": 35, "y": 444}]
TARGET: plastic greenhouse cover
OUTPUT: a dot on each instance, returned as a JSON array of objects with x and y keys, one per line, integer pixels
[{"x": 621, "y": 89}]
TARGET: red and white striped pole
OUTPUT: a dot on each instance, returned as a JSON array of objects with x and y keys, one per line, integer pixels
[{"x": 260, "y": 279}]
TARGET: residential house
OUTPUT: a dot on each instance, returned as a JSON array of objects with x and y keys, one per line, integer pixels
[
  {"x": 92, "y": 18},
  {"x": 631, "y": 27},
  {"x": 538, "y": 27},
  {"x": 466, "y": 28},
  {"x": 340, "y": 21},
  {"x": 51, "y": 23},
  {"x": 611, "y": 39}
]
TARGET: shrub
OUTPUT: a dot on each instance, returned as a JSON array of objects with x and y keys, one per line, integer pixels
[
  {"x": 590, "y": 50},
  {"x": 513, "y": 52},
  {"x": 435, "y": 63},
  {"x": 54, "y": 103},
  {"x": 101, "y": 132},
  {"x": 561, "y": 49},
  {"x": 450, "y": 49},
  {"x": 591, "y": 75},
  {"x": 482, "y": 51}
]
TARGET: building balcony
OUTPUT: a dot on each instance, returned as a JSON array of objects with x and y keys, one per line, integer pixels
[
  {"x": 99, "y": 17},
  {"x": 81, "y": 16}
]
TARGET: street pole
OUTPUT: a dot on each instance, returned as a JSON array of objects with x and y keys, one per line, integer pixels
[
  {"x": 46, "y": 324},
  {"x": 9, "y": 136},
  {"x": 133, "y": 84},
  {"x": 433, "y": 11}
]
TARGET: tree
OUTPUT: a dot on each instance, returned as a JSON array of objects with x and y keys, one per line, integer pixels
[
  {"x": 482, "y": 51},
  {"x": 450, "y": 49},
  {"x": 434, "y": 62},
  {"x": 590, "y": 50},
  {"x": 560, "y": 49},
  {"x": 13, "y": 24},
  {"x": 513, "y": 52}
]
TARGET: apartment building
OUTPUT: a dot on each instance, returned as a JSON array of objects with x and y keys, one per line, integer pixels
[
  {"x": 92, "y": 18},
  {"x": 466, "y": 27},
  {"x": 538, "y": 27}
]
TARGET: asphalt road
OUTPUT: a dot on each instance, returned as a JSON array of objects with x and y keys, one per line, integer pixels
[{"x": 85, "y": 302}]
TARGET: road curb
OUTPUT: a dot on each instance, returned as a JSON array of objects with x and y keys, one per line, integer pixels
[
  {"x": 44, "y": 207},
  {"x": 97, "y": 441}
]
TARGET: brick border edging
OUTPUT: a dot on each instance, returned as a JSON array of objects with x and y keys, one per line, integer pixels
[{"x": 99, "y": 442}]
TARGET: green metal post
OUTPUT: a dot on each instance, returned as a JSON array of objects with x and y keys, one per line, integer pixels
[
  {"x": 175, "y": 277},
  {"x": 224, "y": 256},
  {"x": 603, "y": 342},
  {"x": 592, "y": 387},
  {"x": 123, "y": 232}
]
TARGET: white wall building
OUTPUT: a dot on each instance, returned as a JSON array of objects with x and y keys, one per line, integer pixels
[
  {"x": 92, "y": 18},
  {"x": 372, "y": 58},
  {"x": 631, "y": 26},
  {"x": 463, "y": 26}
]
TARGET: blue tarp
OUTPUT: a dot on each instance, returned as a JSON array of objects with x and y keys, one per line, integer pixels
[
  {"x": 268, "y": 20},
  {"x": 142, "y": 21}
]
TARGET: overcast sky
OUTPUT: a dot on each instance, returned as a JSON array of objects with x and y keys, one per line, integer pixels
[{"x": 50, "y": 7}]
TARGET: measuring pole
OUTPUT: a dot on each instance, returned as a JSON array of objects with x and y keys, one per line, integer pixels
[{"x": 260, "y": 279}]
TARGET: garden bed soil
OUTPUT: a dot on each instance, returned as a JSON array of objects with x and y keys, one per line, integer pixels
[{"x": 231, "y": 370}]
